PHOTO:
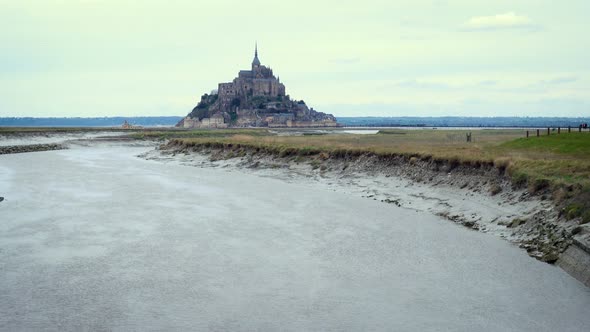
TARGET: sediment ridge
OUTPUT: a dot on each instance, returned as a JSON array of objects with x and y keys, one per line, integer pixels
[
  {"x": 479, "y": 195},
  {"x": 30, "y": 148}
]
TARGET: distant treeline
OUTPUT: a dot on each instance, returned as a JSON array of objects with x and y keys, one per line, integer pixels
[
  {"x": 451, "y": 121},
  {"x": 146, "y": 121}
]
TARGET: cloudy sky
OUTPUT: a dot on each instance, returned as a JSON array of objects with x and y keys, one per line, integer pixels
[{"x": 350, "y": 58}]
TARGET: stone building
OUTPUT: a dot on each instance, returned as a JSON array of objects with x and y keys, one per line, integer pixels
[
  {"x": 255, "y": 98},
  {"x": 258, "y": 81}
]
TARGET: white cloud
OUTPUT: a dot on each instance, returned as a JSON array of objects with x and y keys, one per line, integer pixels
[{"x": 508, "y": 20}]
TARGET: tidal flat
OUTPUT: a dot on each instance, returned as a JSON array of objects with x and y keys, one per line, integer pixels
[{"x": 97, "y": 238}]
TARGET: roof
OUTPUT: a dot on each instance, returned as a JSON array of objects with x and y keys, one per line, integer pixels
[{"x": 256, "y": 61}]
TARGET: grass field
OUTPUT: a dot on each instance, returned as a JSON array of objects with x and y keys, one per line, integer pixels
[
  {"x": 439, "y": 143},
  {"x": 561, "y": 158}
]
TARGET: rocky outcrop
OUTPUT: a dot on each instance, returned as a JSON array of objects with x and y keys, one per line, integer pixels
[{"x": 259, "y": 111}]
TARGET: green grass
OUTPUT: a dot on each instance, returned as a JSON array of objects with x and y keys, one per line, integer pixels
[
  {"x": 572, "y": 145},
  {"x": 560, "y": 159}
]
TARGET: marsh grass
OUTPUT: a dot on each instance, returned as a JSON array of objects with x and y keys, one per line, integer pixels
[
  {"x": 559, "y": 164},
  {"x": 208, "y": 133},
  {"x": 444, "y": 145}
]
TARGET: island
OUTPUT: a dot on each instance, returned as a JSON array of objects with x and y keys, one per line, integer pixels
[{"x": 256, "y": 98}]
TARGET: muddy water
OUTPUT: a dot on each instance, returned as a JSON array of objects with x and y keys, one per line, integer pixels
[{"x": 97, "y": 239}]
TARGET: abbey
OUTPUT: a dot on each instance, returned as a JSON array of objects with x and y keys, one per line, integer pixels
[
  {"x": 259, "y": 81},
  {"x": 256, "y": 98}
]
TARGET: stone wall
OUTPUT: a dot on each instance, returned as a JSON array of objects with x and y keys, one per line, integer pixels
[
  {"x": 576, "y": 261},
  {"x": 190, "y": 123},
  {"x": 247, "y": 118},
  {"x": 213, "y": 122},
  {"x": 268, "y": 87},
  {"x": 226, "y": 91},
  {"x": 258, "y": 82}
]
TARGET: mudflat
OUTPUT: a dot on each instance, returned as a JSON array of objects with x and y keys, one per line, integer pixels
[{"x": 95, "y": 238}]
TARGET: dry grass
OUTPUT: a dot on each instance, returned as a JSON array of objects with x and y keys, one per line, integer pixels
[
  {"x": 561, "y": 159},
  {"x": 439, "y": 144},
  {"x": 559, "y": 164}
]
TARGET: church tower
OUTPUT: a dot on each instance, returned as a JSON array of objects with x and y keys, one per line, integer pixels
[{"x": 255, "y": 62}]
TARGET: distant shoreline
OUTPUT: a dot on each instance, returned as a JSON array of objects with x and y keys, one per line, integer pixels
[{"x": 348, "y": 122}]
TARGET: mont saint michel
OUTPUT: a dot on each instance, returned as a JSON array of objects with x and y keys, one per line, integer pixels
[
  {"x": 156, "y": 173},
  {"x": 256, "y": 98}
]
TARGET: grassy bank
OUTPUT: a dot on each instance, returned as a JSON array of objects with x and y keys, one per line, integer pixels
[
  {"x": 558, "y": 164},
  {"x": 203, "y": 133}
]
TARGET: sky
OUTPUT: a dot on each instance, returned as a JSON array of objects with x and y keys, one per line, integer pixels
[{"x": 350, "y": 58}]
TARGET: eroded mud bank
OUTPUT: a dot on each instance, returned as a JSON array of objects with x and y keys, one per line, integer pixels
[{"x": 478, "y": 196}]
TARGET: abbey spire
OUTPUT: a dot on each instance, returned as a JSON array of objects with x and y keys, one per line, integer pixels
[{"x": 255, "y": 62}]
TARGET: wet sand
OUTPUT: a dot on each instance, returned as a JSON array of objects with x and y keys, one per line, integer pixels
[
  {"x": 95, "y": 238},
  {"x": 48, "y": 137}
]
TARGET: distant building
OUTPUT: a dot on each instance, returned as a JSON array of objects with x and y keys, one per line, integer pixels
[
  {"x": 259, "y": 81},
  {"x": 127, "y": 125},
  {"x": 255, "y": 98}
]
